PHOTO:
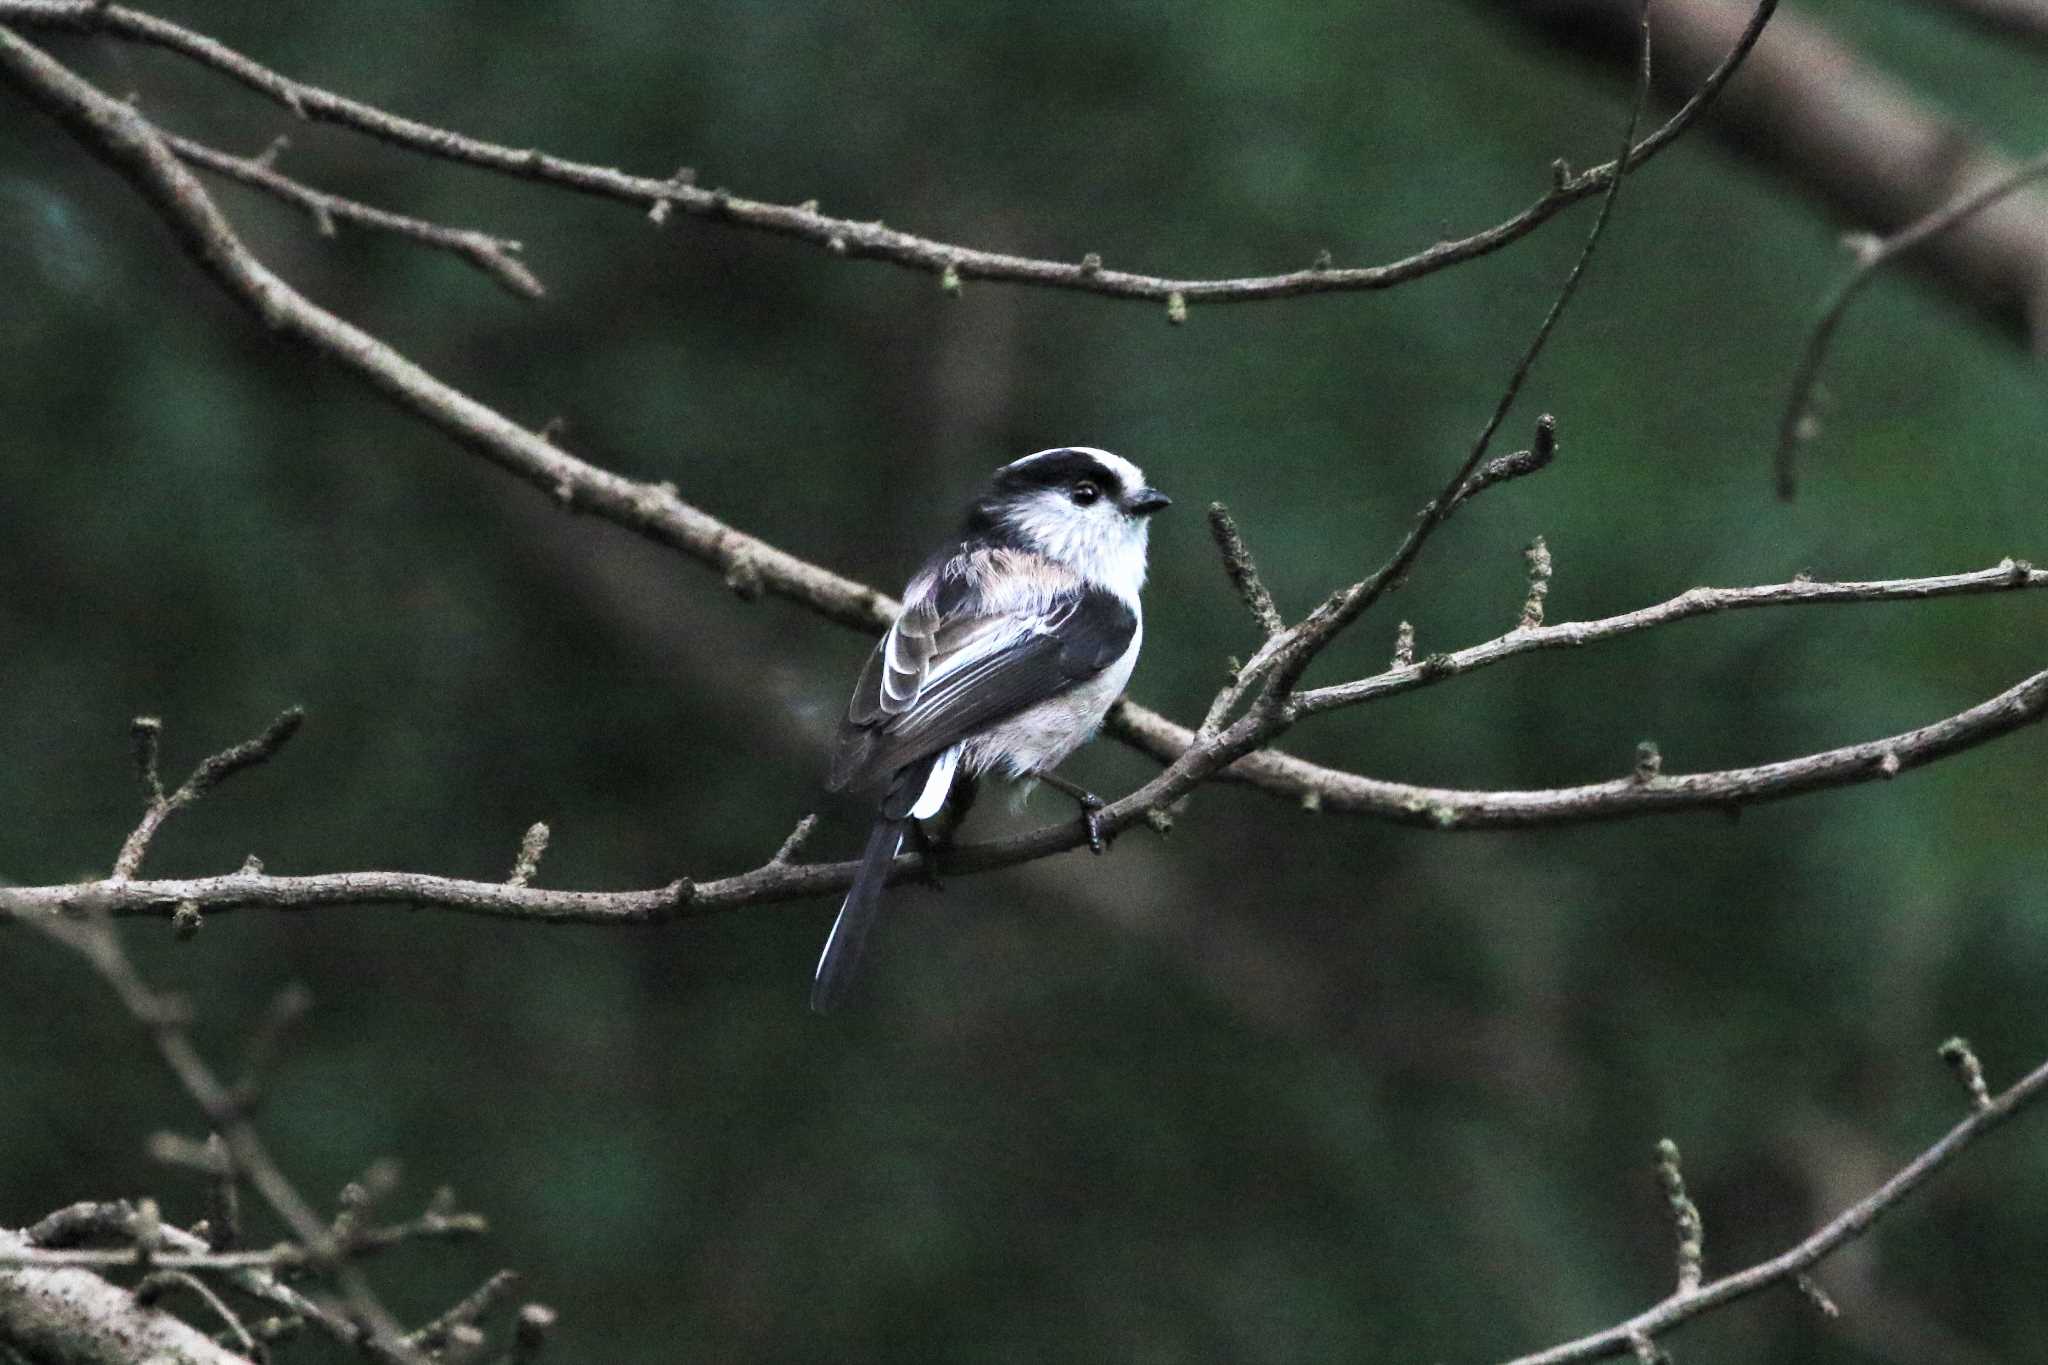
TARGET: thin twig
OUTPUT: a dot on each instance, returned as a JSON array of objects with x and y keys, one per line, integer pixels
[
  {"x": 852, "y": 238},
  {"x": 168, "y": 1025},
  {"x": 1689, "y": 1231},
  {"x": 466, "y": 1311},
  {"x": 1799, "y": 424},
  {"x": 794, "y": 844},
  {"x": 147, "y": 731},
  {"x": 1243, "y": 570},
  {"x": 153, "y": 1288},
  {"x": 497, "y": 257},
  {"x": 1348, "y": 604},
  {"x": 531, "y": 847}
]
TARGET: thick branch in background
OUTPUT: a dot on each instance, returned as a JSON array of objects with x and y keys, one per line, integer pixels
[
  {"x": 1846, "y": 133},
  {"x": 2024, "y": 20}
]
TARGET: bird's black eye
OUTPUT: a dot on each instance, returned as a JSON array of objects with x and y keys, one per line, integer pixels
[{"x": 1086, "y": 492}]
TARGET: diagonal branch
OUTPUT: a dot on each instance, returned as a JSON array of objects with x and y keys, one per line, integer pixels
[
  {"x": 116, "y": 133},
  {"x": 1850, "y": 1224},
  {"x": 847, "y": 237},
  {"x": 497, "y": 257},
  {"x": 1325, "y": 623},
  {"x": 168, "y": 1026}
]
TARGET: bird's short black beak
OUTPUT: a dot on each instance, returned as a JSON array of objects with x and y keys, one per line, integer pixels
[{"x": 1143, "y": 502}]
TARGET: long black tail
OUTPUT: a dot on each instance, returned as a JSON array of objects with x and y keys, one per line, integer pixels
[{"x": 841, "y": 958}]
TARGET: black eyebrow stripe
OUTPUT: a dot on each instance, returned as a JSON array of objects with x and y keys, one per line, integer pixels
[{"x": 1055, "y": 470}]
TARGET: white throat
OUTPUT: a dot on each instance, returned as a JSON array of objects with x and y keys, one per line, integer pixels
[{"x": 1101, "y": 545}]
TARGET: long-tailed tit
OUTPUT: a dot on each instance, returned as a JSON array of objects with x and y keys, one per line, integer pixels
[{"x": 1011, "y": 645}]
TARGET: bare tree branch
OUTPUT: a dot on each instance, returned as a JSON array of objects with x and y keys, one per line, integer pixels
[
  {"x": 1838, "y": 128},
  {"x": 497, "y": 257},
  {"x": 147, "y": 731},
  {"x": 1800, "y": 423},
  {"x": 1292, "y": 655},
  {"x": 1850, "y": 1224},
  {"x": 381, "y": 1336},
  {"x": 847, "y": 237},
  {"x": 119, "y": 134},
  {"x": 73, "y": 1316},
  {"x": 1228, "y": 755},
  {"x": 2010, "y": 575},
  {"x": 151, "y": 160},
  {"x": 1334, "y": 790}
]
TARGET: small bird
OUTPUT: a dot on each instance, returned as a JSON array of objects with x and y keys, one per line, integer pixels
[{"x": 1011, "y": 645}]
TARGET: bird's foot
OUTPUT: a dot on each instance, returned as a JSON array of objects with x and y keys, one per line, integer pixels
[
  {"x": 1091, "y": 809},
  {"x": 1091, "y": 818},
  {"x": 928, "y": 851}
]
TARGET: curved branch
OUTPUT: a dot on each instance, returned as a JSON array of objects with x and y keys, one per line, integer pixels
[
  {"x": 1797, "y": 424},
  {"x": 869, "y": 240},
  {"x": 1851, "y": 1223}
]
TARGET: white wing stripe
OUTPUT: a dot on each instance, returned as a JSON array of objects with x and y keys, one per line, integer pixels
[{"x": 933, "y": 797}]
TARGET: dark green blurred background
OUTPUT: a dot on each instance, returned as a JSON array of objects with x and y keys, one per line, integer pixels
[{"x": 1283, "y": 1087}]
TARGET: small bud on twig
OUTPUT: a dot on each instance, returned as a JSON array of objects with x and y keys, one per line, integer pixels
[
  {"x": 1176, "y": 308},
  {"x": 1404, "y": 645},
  {"x": 1956, "y": 1052},
  {"x": 1816, "y": 1296},
  {"x": 531, "y": 847},
  {"x": 147, "y": 733},
  {"x": 1538, "y": 557},
  {"x": 1649, "y": 761},
  {"x": 186, "y": 921},
  {"x": 530, "y": 1334},
  {"x": 1244, "y": 573},
  {"x": 798, "y": 837},
  {"x": 1685, "y": 1215}
]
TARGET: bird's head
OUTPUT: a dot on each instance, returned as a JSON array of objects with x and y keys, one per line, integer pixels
[{"x": 1081, "y": 507}]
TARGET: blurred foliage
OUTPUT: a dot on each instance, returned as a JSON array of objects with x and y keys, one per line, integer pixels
[{"x": 1280, "y": 1087}]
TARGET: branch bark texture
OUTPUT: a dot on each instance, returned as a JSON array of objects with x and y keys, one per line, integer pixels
[{"x": 73, "y": 1317}]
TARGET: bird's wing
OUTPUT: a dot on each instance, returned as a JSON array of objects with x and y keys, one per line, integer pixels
[{"x": 940, "y": 677}]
